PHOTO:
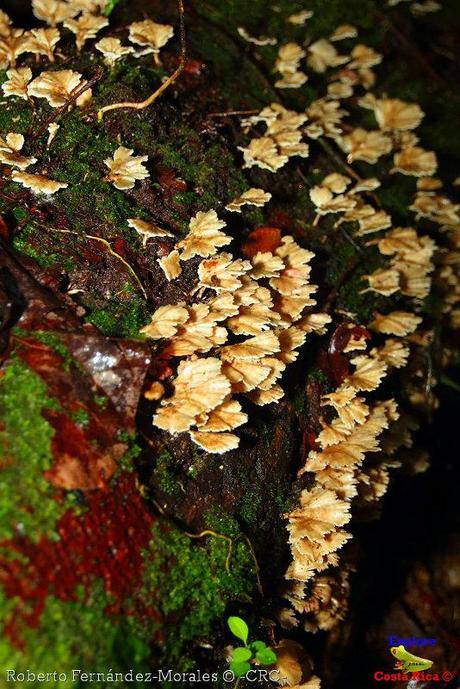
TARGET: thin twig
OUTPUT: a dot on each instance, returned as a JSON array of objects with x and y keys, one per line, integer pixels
[
  {"x": 166, "y": 84},
  {"x": 74, "y": 96},
  {"x": 210, "y": 532},
  {"x": 335, "y": 156},
  {"x": 230, "y": 541},
  {"x": 110, "y": 251},
  {"x": 350, "y": 239},
  {"x": 232, "y": 112},
  {"x": 337, "y": 159},
  {"x": 31, "y": 345}
]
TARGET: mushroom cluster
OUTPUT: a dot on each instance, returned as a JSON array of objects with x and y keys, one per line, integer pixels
[
  {"x": 250, "y": 317},
  {"x": 85, "y": 20}
]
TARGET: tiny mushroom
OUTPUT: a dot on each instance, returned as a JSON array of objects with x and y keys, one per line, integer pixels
[
  {"x": 17, "y": 82},
  {"x": 125, "y": 168},
  {"x": 85, "y": 27},
  {"x": 112, "y": 49},
  {"x": 39, "y": 184}
]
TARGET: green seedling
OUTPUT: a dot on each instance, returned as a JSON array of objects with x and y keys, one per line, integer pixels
[{"x": 242, "y": 656}]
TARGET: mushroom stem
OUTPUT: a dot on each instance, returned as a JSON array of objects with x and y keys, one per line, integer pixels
[{"x": 166, "y": 84}]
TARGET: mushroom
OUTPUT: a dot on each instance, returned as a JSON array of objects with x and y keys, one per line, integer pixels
[
  {"x": 56, "y": 87},
  {"x": 150, "y": 35},
  {"x": 17, "y": 82},
  {"x": 125, "y": 168},
  {"x": 39, "y": 184},
  {"x": 112, "y": 49},
  {"x": 85, "y": 27},
  {"x": 10, "y": 152}
]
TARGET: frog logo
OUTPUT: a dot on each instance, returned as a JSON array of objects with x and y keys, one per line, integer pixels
[{"x": 407, "y": 662}]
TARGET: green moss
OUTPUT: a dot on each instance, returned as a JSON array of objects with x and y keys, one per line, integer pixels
[
  {"x": 100, "y": 400},
  {"x": 249, "y": 506},
  {"x": 395, "y": 198},
  {"x": 80, "y": 416},
  {"x": 240, "y": 80},
  {"x": 78, "y": 153},
  {"x": 193, "y": 585},
  {"x": 209, "y": 171},
  {"x": 353, "y": 299},
  {"x": 26, "y": 498},
  {"x": 218, "y": 520},
  {"x": 51, "y": 340},
  {"x": 140, "y": 78},
  {"x": 79, "y": 634},
  {"x": 343, "y": 255},
  {"x": 120, "y": 319},
  {"x": 318, "y": 376},
  {"x": 163, "y": 475},
  {"x": 127, "y": 462},
  {"x": 16, "y": 116},
  {"x": 80, "y": 146},
  {"x": 20, "y": 214},
  {"x": 252, "y": 216},
  {"x": 31, "y": 242}
]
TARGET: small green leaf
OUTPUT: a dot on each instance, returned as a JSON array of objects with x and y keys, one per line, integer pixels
[
  {"x": 266, "y": 656},
  {"x": 109, "y": 7},
  {"x": 258, "y": 645},
  {"x": 239, "y": 669},
  {"x": 241, "y": 654},
  {"x": 238, "y": 628}
]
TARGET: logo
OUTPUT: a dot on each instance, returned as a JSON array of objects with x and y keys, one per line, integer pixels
[
  {"x": 408, "y": 662},
  {"x": 411, "y": 668},
  {"x": 411, "y": 641}
]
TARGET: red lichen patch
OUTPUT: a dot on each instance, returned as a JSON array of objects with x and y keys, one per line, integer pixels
[
  {"x": 85, "y": 458},
  {"x": 194, "y": 67},
  {"x": 281, "y": 219},
  {"x": 333, "y": 363},
  {"x": 261, "y": 240},
  {"x": 4, "y": 232},
  {"x": 120, "y": 247},
  {"x": 107, "y": 542},
  {"x": 79, "y": 462},
  {"x": 168, "y": 180}
]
